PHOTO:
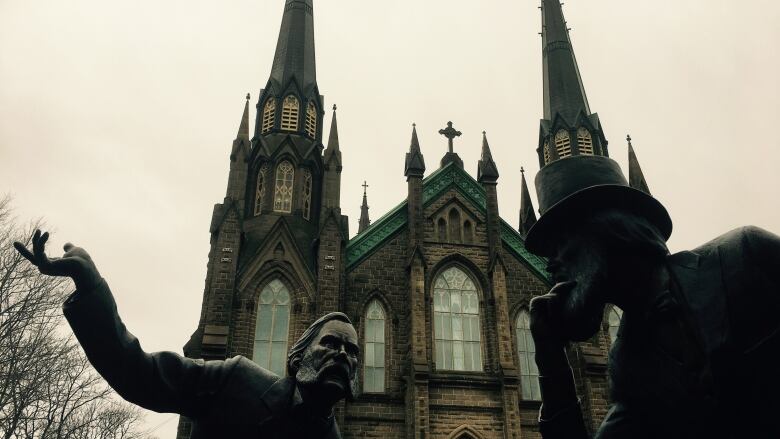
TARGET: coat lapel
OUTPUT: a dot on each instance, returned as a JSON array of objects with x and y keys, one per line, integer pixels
[{"x": 699, "y": 281}]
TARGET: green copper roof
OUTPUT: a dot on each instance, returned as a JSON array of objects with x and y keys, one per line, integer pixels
[{"x": 434, "y": 185}]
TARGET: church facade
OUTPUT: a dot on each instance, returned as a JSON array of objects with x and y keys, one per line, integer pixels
[{"x": 438, "y": 288}]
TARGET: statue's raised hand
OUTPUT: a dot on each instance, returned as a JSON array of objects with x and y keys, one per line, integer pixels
[{"x": 75, "y": 263}]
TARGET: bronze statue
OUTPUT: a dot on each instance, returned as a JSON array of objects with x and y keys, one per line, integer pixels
[
  {"x": 234, "y": 398},
  {"x": 696, "y": 352}
]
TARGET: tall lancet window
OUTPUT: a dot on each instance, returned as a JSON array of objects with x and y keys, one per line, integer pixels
[
  {"x": 615, "y": 314},
  {"x": 456, "y": 322},
  {"x": 374, "y": 356},
  {"x": 285, "y": 174},
  {"x": 290, "y": 109},
  {"x": 311, "y": 120},
  {"x": 584, "y": 141},
  {"x": 306, "y": 193},
  {"x": 269, "y": 113},
  {"x": 547, "y": 152},
  {"x": 563, "y": 143},
  {"x": 526, "y": 353},
  {"x": 273, "y": 319},
  {"x": 260, "y": 188}
]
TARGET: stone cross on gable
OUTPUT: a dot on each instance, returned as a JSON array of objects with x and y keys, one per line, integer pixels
[{"x": 450, "y": 133}]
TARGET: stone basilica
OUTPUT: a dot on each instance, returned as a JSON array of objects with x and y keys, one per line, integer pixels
[{"x": 437, "y": 288}]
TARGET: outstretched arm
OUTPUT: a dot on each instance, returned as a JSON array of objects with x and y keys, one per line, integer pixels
[{"x": 164, "y": 381}]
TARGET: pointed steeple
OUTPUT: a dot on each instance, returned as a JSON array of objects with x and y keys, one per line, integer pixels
[
  {"x": 415, "y": 164},
  {"x": 241, "y": 145},
  {"x": 636, "y": 179},
  {"x": 239, "y": 154},
  {"x": 331, "y": 160},
  {"x": 527, "y": 214},
  {"x": 332, "y": 152},
  {"x": 294, "y": 57},
  {"x": 487, "y": 172},
  {"x": 364, "y": 220},
  {"x": 564, "y": 93},
  {"x": 567, "y": 127},
  {"x": 291, "y": 102},
  {"x": 243, "y": 128}
]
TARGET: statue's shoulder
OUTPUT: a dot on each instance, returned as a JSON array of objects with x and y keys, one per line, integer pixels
[
  {"x": 746, "y": 240},
  {"x": 248, "y": 375}
]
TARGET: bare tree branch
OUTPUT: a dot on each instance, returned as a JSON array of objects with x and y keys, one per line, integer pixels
[{"x": 48, "y": 389}]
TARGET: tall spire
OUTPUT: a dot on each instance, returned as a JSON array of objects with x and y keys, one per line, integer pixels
[
  {"x": 568, "y": 127},
  {"x": 527, "y": 214},
  {"x": 487, "y": 172},
  {"x": 331, "y": 192},
  {"x": 364, "y": 221},
  {"x": 564, "y": 93},
  {"x": 415, "y": 164},
  {"x": 636, "y": 179},
  {"x": 294, "y": 55},
  {"x": 243, "y": 128},
  {"x": 239, "y": 154},
  {"x": 332, "y": 151}
]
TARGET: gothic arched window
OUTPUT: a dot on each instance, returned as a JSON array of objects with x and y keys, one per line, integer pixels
[
  {"x": 456, "y": 321},
  {"x": 563, "y": 143},
  {"x": 311, "y": 120},
  {"x": 584, "y": 141},
  {"x": 273, "y": 319},
  {"x": 615, "y": 314},
  {"x": 526, "y": 352},
  {"x": 306, "y": 193},
  {"x": 441, "y": 230},
  {"x": 468, "y": 232},
  {"x": 269, "y": 112},
  {"x": 547, "y": 152},
  {"x": 374, "y": 355},
  {"x": 260, "y": 188},
  {"x": 283, "y": 190},
  {"x": 454, "y": 223},
  {"x": 290, "y": 109}
]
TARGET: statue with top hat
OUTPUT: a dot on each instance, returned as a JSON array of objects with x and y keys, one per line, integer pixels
[{"x": 700, "y": 329}]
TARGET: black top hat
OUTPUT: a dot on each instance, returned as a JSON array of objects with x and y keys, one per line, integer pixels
[{"x": 571, "y": 189}]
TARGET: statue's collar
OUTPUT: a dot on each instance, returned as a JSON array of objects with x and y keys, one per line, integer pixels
[{"x": 687, "y": 259}]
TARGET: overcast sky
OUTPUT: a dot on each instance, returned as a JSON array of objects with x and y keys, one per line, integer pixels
[{"x": 116, "y": 117}]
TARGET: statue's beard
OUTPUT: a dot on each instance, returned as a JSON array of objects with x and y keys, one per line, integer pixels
[
  {"x": 582, "y": 306},
  {"x": 310, "y": 376}
]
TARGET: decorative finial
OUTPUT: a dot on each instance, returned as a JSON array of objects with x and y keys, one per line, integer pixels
[
  {"x": 334, "y": 107},
  {"x": 450, "y": 133},
  {"x": 247, "y": 96},
  {"x": 484, "y": 133},
  {"x": 414, "y": 125},
  {"x": 628, "y": 139},
  {"x": 522, "y": 171},
  {"x": 365, "y": 185}
]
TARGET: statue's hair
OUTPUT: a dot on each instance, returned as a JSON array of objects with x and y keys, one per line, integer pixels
[
  {"x": 619, "y": 229},
  {"x": 296, "y": 351}
]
